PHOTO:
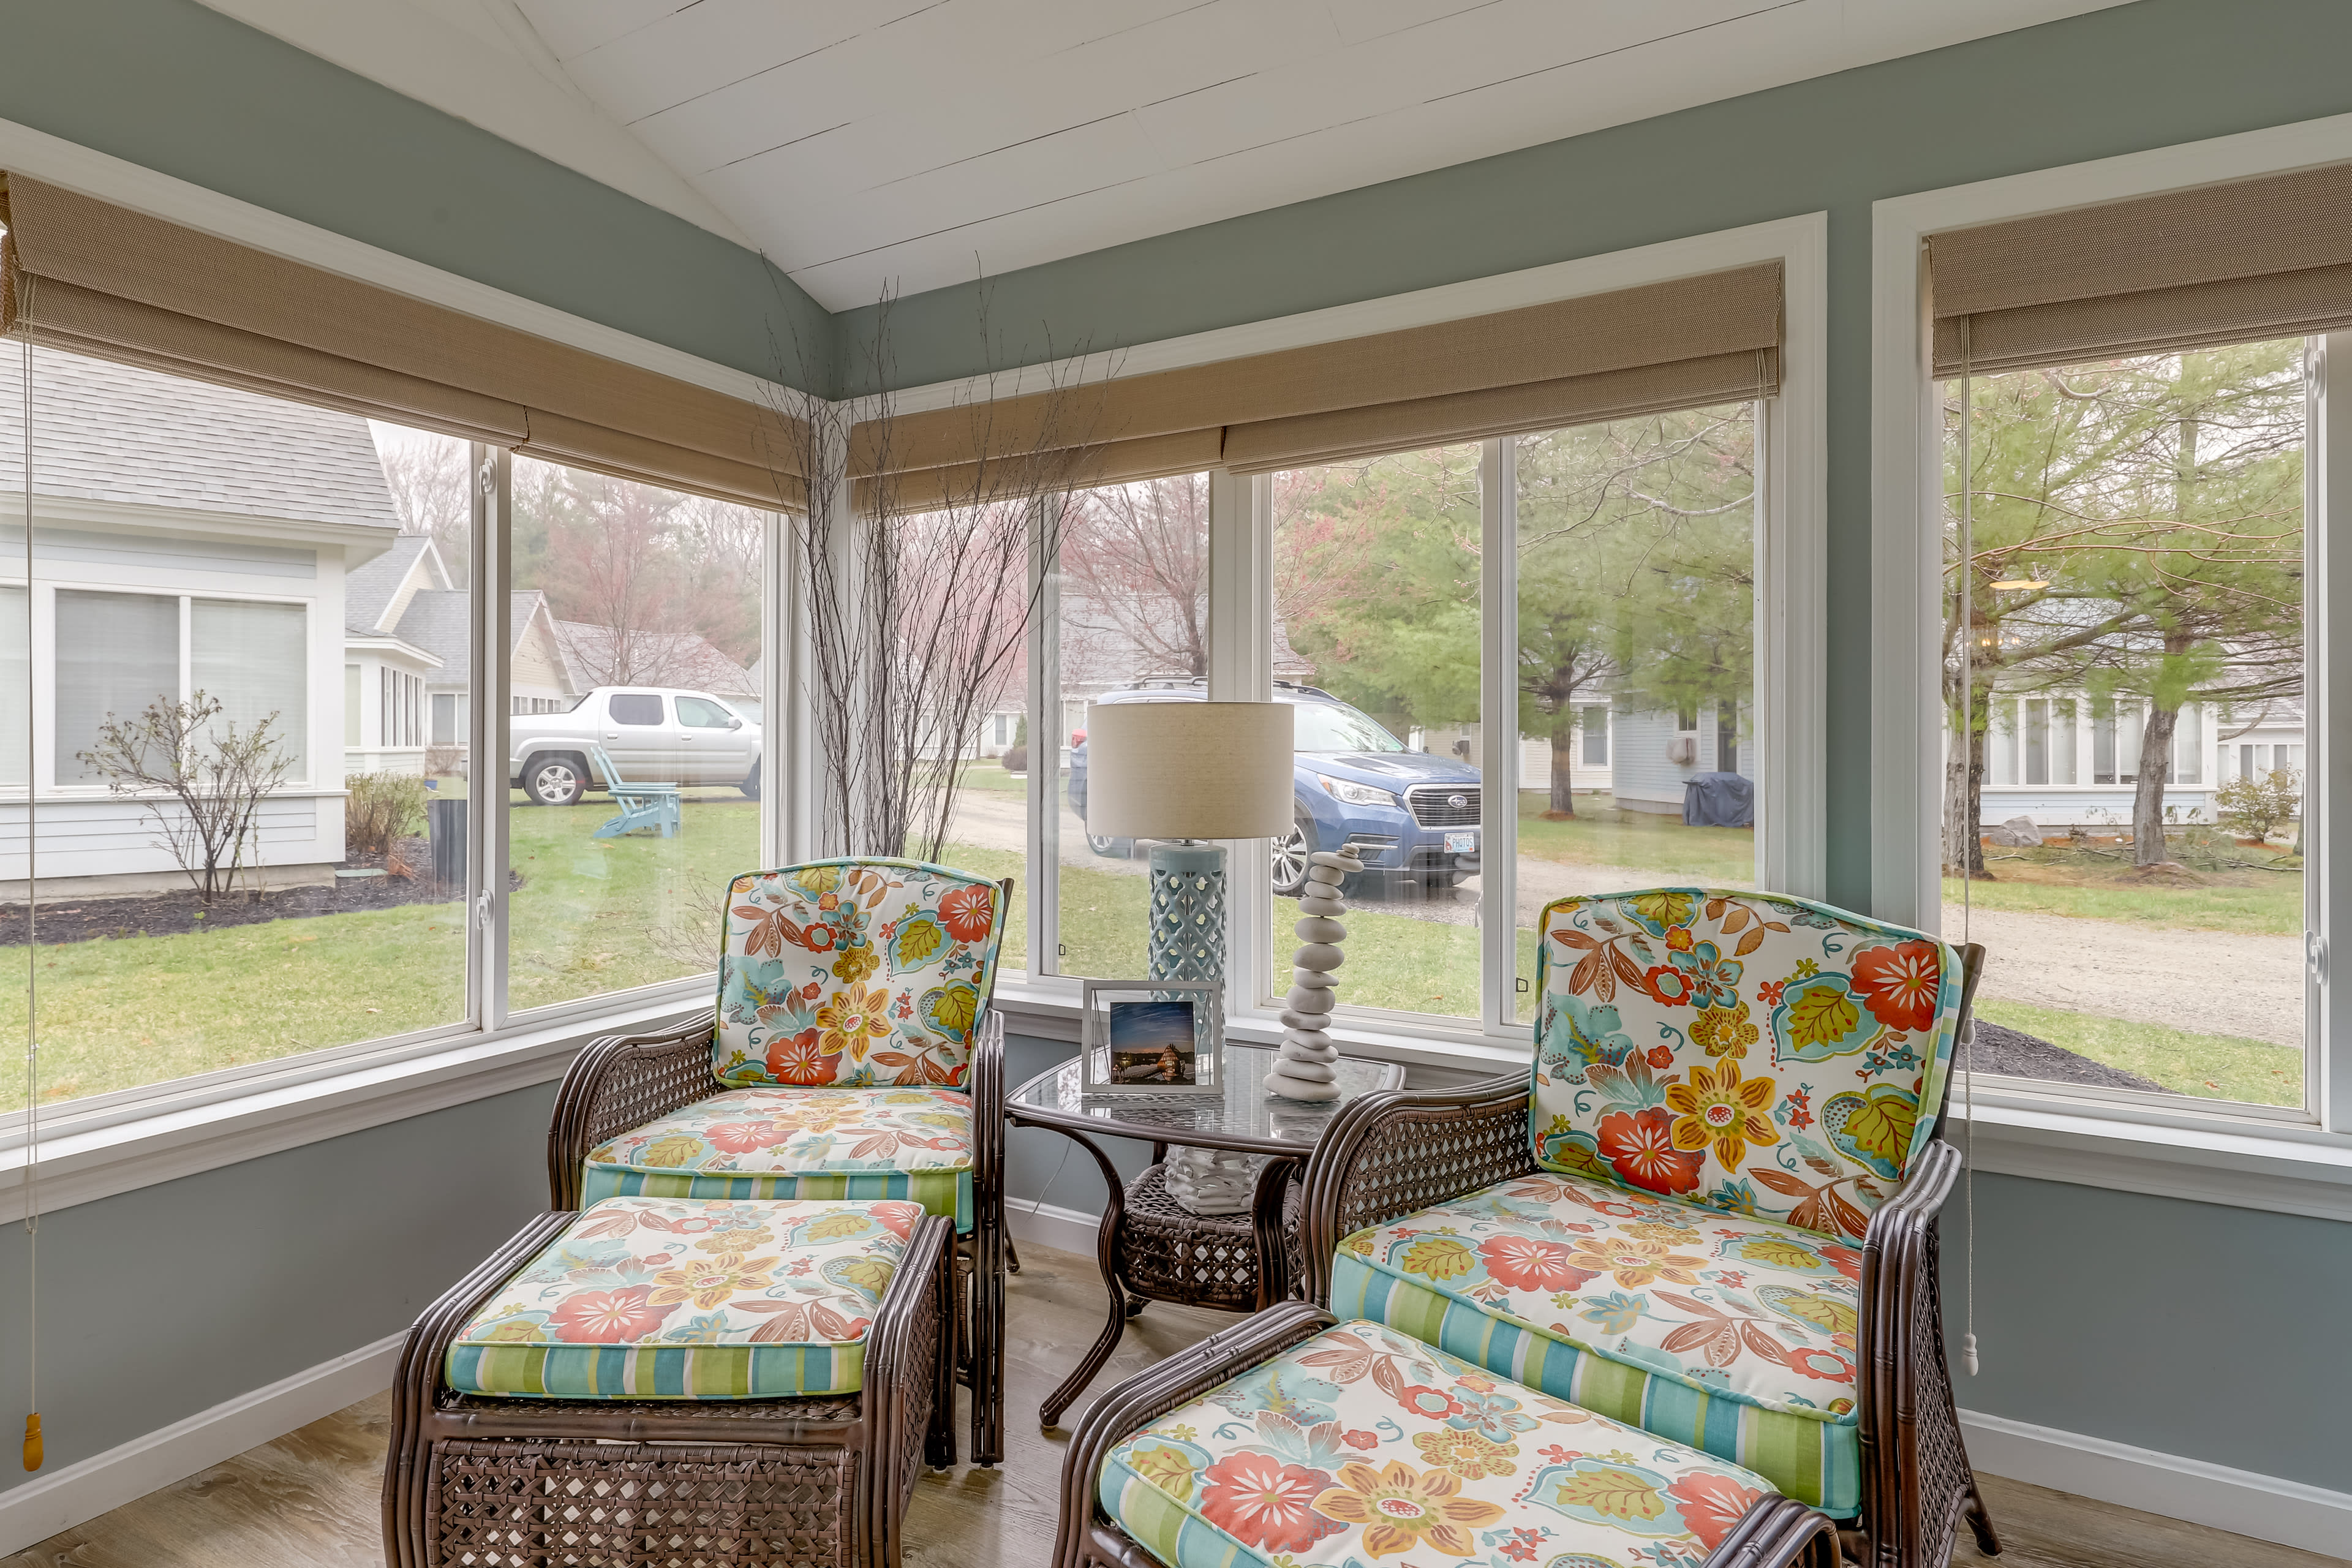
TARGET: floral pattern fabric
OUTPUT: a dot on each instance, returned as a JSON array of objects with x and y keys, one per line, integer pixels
[
  {"x": 1363, "y": 1447},
  {"x": 914, "y": 1143},
  {"x": 856, "y": 972},
  {"x": 687, "y": 1298},
  {"x": 1763, "y": 1056}
]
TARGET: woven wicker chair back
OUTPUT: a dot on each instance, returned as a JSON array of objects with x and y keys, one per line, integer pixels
[
  {"x": 856, "y": 971},
  {"x": 1757, "y": 1053}
]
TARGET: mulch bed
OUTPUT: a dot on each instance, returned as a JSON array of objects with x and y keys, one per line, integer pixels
[
  {"x": 2021, "y": 1055},
  {"x": 86, "y": 919}
]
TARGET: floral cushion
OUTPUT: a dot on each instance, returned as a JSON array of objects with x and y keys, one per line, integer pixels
[
  {"x": 689, "y": 1299},
  {"x": 913, "y": 1143},
  {"x": 1762, "y": 1055},
  {"x": 1360, "y": 1445},
  {"x": 855, "y": 971},
  {"x": 1733, "y": 1335}
]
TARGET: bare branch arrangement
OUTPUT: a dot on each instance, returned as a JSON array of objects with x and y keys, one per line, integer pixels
[
  {"x": 201, "y": 778},
  {"x": 918, "y": 590}
]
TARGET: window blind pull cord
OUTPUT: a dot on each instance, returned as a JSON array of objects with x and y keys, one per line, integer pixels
[
  {"x": 33, "y": 1451},
  {"x": 1968, "y": 849}
]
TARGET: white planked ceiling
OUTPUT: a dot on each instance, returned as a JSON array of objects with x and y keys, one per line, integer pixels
[{"x": 912, "y": 143}]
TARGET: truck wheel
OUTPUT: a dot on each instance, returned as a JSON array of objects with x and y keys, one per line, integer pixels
[
  {"x": 1290, "y": 857},
  {"x": 554, "y": 781},
  {"x": 751, "y": 784}
]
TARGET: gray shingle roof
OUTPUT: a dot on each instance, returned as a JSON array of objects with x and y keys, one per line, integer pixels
[
  {"x": 437, "y": 621},
  {"x": 368, "y": 587},
  {"x": 662, "y": 658},
  {"x": 106, "y": 432}
]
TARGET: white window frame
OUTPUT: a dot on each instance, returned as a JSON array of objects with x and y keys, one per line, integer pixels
[
  {"x": 1791, "y": 544},
  {"x": 2293, "y": 1162}
]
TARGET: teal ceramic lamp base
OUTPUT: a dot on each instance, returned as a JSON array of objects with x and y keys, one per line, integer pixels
[{"x": 1188, "y": 910}]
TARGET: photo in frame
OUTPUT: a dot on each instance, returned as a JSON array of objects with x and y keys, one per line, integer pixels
[{"x": 1152, "y": 1037}]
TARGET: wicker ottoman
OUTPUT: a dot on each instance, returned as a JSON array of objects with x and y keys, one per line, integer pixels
[
  {"x": 1298, "y": 1439},
  {"x": 674, "y": 1382}
]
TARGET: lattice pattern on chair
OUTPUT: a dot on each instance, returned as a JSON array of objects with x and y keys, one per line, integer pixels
[{"x": 1414, "y": 1159}]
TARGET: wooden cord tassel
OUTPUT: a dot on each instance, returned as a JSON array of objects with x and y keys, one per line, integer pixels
[{"x": 33, "y": 1441}]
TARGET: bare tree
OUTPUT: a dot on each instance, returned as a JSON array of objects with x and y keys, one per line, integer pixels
[
  {"x": 426, "y": 476},
  {"x": 1134, "y": 571},
  {"x": 919, "y": 600},
  {"x": 201, "y": 779}
]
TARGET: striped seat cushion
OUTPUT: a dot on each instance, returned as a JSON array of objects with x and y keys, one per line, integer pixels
[
  {"x": 778, "y": 1142},
  {"x": 689, "y": 1299},
  {"x": 1362, "y": 1446},
  {"x": 1733, "y": 1335}
]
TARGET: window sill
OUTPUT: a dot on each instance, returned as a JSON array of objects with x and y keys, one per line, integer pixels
[
  {"x": 99, "y": 1153},
  {"x": 2245, "y": 1163},
  {"x": 2280, "y": 1168}
]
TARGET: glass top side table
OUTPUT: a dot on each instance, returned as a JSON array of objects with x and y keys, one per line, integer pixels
[{"x": 1152, "y": 1249}]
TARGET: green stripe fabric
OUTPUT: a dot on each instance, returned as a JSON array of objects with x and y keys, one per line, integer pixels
[
  {"x": 1166, "y": 1528},
  {"x": 947, "y": 1194},
  {"x": 665, "y": 1371},
  {"x": 1813, "y": 1460}
]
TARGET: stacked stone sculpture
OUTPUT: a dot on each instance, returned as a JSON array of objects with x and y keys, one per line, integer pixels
[{"x": 1305, "y": 1068}]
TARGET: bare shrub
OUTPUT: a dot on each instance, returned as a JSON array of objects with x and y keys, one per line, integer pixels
[
  {"x": 200, "y": 779},
  {"x": 442, "y": 759},
  {"x": 383, "y": 807}
]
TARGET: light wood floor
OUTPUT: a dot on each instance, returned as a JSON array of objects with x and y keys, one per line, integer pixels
[{"x": 310, "y": 1498}]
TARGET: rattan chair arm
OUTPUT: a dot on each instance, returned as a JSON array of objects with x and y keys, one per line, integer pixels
[
  {"x": 1154, "y": 1392},
  {"x": 419, "y": 1376},
  {"x": 1387, "y": 1154},
  {"x": 1778, "y": 1532},
  {"x": 623, "y": 1081},
  {"x": 986, "y": 1079}
]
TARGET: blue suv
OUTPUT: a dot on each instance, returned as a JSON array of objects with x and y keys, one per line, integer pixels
[{"x": 1413, "y": 817}]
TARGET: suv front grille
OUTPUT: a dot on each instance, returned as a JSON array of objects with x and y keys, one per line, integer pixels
[{"x": 1432, "y": 804}]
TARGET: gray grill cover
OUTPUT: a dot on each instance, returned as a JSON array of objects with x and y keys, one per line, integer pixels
[{"x": 1718, "y": 800}]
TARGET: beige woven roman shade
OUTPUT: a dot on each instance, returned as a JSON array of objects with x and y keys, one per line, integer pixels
[
  {"x": 1680, "y": 344},
  {"x": 2267, "y": 258},
  {"x": 101, "y": 281}
]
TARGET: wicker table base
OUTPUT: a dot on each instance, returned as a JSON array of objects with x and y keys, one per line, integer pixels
[
  {"x": 473, "y": 1482},
  {"x": 1168, "y": 1253}
]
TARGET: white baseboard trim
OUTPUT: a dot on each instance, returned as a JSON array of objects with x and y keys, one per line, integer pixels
[
  {"x": 1047, "y": 1225},
  {"x": 2263, "y": 1507},
  {"x": 81, "y": 1492}
]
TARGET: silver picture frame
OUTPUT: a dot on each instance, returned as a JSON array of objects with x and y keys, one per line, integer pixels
[{"x": 1135, "y": 1038}]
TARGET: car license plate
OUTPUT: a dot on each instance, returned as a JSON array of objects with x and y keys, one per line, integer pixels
[{"x": 1462, "y": 843}]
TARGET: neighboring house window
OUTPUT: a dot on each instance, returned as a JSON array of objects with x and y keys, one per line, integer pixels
[
  {"x": 1596, "y": 737},
  {"x": 351, "y": 705},
  {"x": 254, "y": 659},
  {"x": 448, "y": 719},
  {"x": 117, "y": 654},
  {"x": 15, "y": 688},
  {"x": 404, "y": 705}
]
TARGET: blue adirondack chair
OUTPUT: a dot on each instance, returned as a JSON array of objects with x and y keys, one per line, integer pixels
[{"x": 653, "y": 805}]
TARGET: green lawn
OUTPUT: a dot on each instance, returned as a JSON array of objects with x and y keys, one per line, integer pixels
[
  {"x": 2210, "y": 1067},
  {"x": 1601, "y": 834},
  {"x": 2055, "y": 881}
]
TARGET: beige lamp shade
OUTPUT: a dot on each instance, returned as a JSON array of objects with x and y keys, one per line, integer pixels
[{"x": 1188, "y": 770}]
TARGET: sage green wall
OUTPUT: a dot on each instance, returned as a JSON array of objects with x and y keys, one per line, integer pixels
[
  {"x": 179, "y": 89},
  {"x": 2117, "y": 80},
  {"x": 2181, "y": 1327}
]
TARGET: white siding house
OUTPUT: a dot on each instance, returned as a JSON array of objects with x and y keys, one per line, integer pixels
[
  {"x": 1656, "y": 752},
  {"x": 185, "y": 537},
  {"x": 2053, "y": 756}
]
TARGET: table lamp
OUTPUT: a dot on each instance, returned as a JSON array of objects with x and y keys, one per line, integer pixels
[{"x": 1179, "y": 773}]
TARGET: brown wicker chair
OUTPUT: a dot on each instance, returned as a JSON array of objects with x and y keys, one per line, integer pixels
[
  {"x": 538, "y": 1483},
  {"x": 1393, "y": 1155},
  {"x": 1774, "y": 1533},
  {"x": 623, "y": 1081}
]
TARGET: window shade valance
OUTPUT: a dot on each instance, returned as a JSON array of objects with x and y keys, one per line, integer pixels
[
  {"x": 1677, "y": 344},
  {"x": 2261, "y": 258},
  {"x": 101, "y": 281}
]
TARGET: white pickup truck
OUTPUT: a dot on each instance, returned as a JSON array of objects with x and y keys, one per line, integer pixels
[{"x": 654, "y": 734}]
